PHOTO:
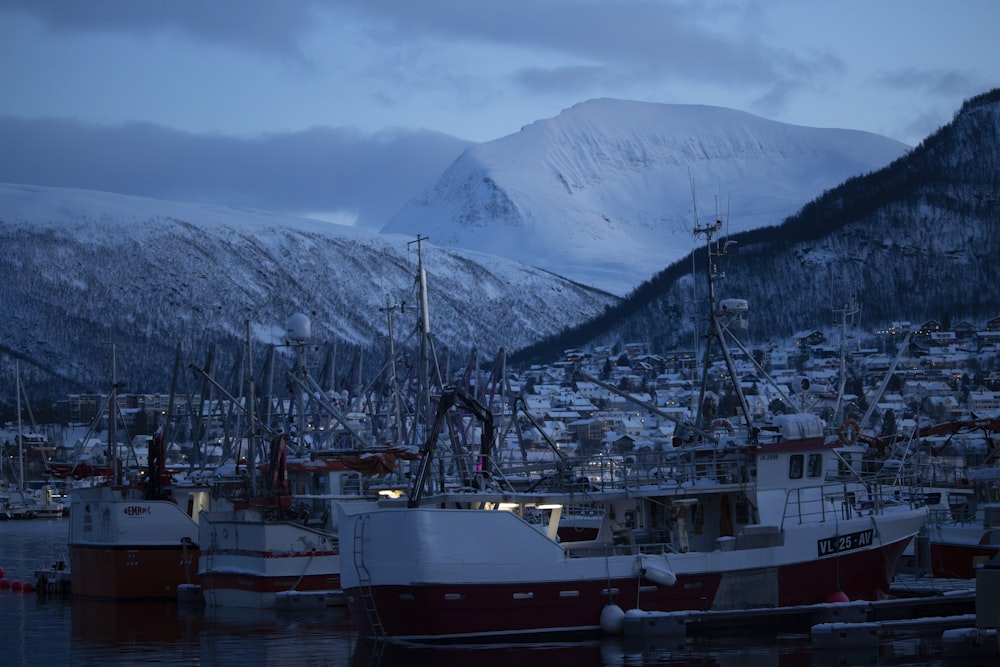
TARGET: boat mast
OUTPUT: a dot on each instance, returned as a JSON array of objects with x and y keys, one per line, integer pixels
[
  {"x": 113, "y": 419},
  {"x": 299, "y": 335},
  {"x": 394, "y": 379},
  {"x": 849, "y": 310},
  {"x": 20, "y": 432},
  {"x": 423, "y": 380},
  {"x": 251, "y": 416},
  {"x": 716, "y": 330}
]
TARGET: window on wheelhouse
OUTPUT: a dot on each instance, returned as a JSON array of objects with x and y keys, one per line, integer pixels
[
  {"x": 815, "y": 468},
  {"x": 845, "y": 466},
  {"x": 795, "y": 466}
]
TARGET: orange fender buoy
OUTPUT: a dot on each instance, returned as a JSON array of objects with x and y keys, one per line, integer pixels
[{"x": 849, "y": 431}]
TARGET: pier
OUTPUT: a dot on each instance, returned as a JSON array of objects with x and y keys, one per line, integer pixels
[{"x": 963, "y": 613}]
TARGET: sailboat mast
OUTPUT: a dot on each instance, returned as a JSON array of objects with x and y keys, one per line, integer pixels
[
  {"x": 20, "y": 431},
  {"x": 113, "y": 419}
]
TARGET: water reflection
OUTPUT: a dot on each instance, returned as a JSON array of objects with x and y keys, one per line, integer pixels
[
  {"x": 603, "y": 652},
  {"x": 77, "y": 631},
  {"x": 175, "y": 634}
]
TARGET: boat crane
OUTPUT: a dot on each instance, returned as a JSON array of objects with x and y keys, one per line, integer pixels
[{"x": 449, "y": 396}]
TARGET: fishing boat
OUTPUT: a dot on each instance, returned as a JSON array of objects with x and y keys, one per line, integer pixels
[
  {"x": 271, "y": 550},
  {"x": 757, "y": 513},
  {"x": 133, "y": 529},
  {"x": 954, "y": 464},
  {"x": 47, "y": 501},
  {"x": 786, "y": 522},
  {"x": 966, "y": 536},
  {"x": 136, "y": 541},
  {"x": 275, "y": 544}
]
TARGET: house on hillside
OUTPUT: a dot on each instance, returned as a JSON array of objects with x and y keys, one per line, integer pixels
[
  {"x": 634, "y": 350},
  {"x": 929, "y": 327},
  {"x": 591, "y": 391},
  {"x": 581, "y": 405},
  {"x": 984, "y": 403},
  {"x": 988, "y": 341},
  {"x": 589, "y": 433},
  {"x": 564, "y": 416},
  {"x": 644, "y": 369},
  {"x": 964, "y": 330},
  {"x": 941, "y": 338},
  {"x": 942, "y": 408},
  {"x": 536, "y": 404},
  {"x": 809, "y": 338},
  {"x": 620, "y": 444},
  {"x": 897, "y": 328}
]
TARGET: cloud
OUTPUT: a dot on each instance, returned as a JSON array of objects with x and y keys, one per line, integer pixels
[
  {"x": 562, "y": 79},
  {"x": 663, "y": 37},
  {"x": 635, "y": 38},
  {"x": 256, "y": 25},
  {"x": 935, "y": 81},
  {"x": 320, "y": 170}
]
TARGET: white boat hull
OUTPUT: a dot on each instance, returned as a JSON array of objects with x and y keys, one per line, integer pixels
[
  {"x": 249, "y": 562},
  {"x": 433, "y": 573}
]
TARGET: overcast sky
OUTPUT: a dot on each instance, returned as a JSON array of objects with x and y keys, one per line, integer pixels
[{"x": 346, "y": 108}]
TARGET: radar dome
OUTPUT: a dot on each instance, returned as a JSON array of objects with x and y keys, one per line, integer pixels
[{"x": 299, "y": 328}]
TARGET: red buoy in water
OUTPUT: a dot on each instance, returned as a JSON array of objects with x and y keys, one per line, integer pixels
[
  {"x": 27, "y": 587},
  {"x": 15, "y": 585},
  {"x": 838, "y": 596},
  {"x": 4, "y": 583}
]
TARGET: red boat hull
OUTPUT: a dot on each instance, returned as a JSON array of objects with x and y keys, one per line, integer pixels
[
  {"x": 249, "y": 583},
  {"x": 132, "y": 572},
  {"x": 443, "y": 611},
  {"x": 958, "y": 561}
]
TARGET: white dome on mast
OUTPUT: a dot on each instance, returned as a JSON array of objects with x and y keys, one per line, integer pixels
[{"x": 298, "y": 328}]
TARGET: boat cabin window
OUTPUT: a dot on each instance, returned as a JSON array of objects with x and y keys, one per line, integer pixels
[
  {"x": 795, "y": 466},
  {"x": 988, "y": 492},
  {"x": 959, "y": 506},
  {"x": 351, "y": 484},
  {"x": 815, "y": 468},
  {"x": 844, "y": 465}
]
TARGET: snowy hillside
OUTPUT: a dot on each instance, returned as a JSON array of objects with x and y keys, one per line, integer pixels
[
  {"x": 84, "y": 270},
  {"x": 915, "y": 241},
  {"x": 602, "y": 193}
]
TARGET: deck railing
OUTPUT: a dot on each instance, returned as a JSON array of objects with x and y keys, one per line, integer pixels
[{"x": 840, "y": 502}]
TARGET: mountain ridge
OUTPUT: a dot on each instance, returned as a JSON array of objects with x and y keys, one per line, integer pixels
[
  {"x": 602, "y": 193},
  {"x": 915, "y": 240},
  {"x": 95, "y": 272},
  {"x": 98, "y": 271}
]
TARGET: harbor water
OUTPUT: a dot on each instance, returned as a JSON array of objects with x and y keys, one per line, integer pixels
[{"x": 49, "y": 630}]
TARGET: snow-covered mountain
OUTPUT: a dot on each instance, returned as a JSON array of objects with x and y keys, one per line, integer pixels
[
  {"x": 602, "y": 193},
  {"x": 915, "y": 241},
  {"x": 82, "y": 270}
]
